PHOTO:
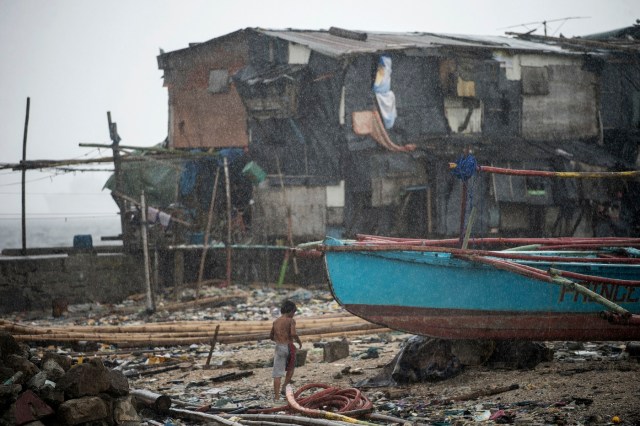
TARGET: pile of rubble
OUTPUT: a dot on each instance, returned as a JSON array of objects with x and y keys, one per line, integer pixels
[{"x": 47, "y": 388}]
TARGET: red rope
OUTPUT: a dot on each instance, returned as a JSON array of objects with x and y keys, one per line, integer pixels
[{"x": 345, "y": 401}]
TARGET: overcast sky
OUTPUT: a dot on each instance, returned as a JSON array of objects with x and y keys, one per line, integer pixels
[{"x": 78, "y": 59}]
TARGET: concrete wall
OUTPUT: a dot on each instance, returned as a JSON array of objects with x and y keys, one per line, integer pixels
[
  {"x": 32, "y": 282},
  {"x": 308, "y": 211}
]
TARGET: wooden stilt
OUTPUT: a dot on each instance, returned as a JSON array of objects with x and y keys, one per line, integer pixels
[
  {"x": 213, "y": 345},
  {"x": 207, "y": 231}
]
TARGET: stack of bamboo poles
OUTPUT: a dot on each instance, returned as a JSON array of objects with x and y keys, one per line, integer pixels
[{"x": 190, "y": 332}]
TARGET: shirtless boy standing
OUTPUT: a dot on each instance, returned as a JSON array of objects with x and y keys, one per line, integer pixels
[{"x": 283, "y": 332}]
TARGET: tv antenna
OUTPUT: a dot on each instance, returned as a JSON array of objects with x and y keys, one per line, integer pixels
[{"x": 544, "y": 24}]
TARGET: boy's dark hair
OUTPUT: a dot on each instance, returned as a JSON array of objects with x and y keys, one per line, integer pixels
[{"x": 288, "y": 307}]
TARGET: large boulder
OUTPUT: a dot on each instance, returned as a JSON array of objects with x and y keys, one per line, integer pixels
[
  {"x": 53, "y": 370},
  {"x": 87, "y": 379},
  {"x": 82, "y": 410},
  {"x": 20, "y": 363},
  {"x": 62, "y": 360},
  {"x": 8, "y": 345},
  {"x": 518, "y": 354}
]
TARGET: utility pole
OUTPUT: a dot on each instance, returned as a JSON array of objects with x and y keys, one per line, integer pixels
[{"x": 24, "y": 175}]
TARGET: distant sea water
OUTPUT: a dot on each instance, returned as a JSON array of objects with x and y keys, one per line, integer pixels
[{"x": 58, "y": 232}]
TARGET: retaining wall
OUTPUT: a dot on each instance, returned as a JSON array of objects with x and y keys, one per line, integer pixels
[{"x": 31, "y": 283}]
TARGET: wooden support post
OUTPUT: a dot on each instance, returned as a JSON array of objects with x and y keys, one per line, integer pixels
[
  {"x": 228, "y": 245},
  {"x": 24, "y": 175},
  {"x": 213, "y": 344},
  {"x": 207, "y": 231},
  {"x": 156, "y": 268},
  {"x": 178, "y": 272},
  {"x": 429, "y": 209},
  {"x": 463, "y": 210},
  {"x": 289, "y": 218},
  {"x": 117, "y": 173},
  {"x": 151, "y": 304}
]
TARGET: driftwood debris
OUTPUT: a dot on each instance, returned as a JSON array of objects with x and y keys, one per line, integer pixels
[
  {"x": 231, "y": 376},
  {"x": 479, "y": 393},
  {"x": 159, "y": 402},
  {"x": 155, "y": 370}
]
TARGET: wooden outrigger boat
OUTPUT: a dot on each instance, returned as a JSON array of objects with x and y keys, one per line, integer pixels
[
  {"x": 450, "y": 293},
  {"x": 529, "y": 289}
]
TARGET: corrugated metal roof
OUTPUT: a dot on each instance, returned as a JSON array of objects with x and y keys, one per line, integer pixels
[{"x": 324, "y": 42}]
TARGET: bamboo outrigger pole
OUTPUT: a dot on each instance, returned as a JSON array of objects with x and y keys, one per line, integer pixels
[{"x": 545, "y": 173}]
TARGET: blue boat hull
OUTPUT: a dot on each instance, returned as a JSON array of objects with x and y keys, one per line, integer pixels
[{"x": 439, "y": 295}]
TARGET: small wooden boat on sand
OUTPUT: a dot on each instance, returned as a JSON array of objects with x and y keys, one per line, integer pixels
[{"x": 551, "y": 289}]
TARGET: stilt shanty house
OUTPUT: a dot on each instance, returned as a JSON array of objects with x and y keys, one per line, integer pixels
[{"x": 355, "y": 130}]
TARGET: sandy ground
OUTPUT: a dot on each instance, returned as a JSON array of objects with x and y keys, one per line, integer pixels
[
  {"x": 558, "y": 392},
  {"x": 587, "y": 383}
]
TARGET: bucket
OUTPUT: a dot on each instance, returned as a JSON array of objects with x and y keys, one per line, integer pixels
[
  {"x": 254, "y": 172},
  {"x": 82, "y": 242}
]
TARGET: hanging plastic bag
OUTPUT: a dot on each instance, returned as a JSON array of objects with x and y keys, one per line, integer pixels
[{"x": 384, "y": 95}]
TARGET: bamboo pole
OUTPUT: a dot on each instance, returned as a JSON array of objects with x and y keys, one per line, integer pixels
[
  {"x": 287, "y": 254},
  {"x": 201, "y": 331},
  {"x": 553, "y": 279},
  {"x": 150, "y": 300},
  {"x": 228, "y": 191},
  {"x": 471, "y": 252},
  {"x": 177, "y": 333},
  {"x": 239, "y": 326},
  {"x": 566, "y": 175},
  {"x": 144, "y": 340},
  {"x": 195, "y": 415},
  {"x": 207, "y": 232}
]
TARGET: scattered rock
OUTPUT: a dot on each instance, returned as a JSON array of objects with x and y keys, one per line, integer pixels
[
  {"x": 87, "y": 379},
  {"x": 82, "y": 410},
  {"x": 19, "y": 363},
  {"x": 52, "y": 370},
  {"x": 62, "y": 360},
  {"x": 8, "y": 345},
  {"x": 335, "y": 350},
  {"x": 472, "y": 352},
  {"x": 517, "y": 354}
]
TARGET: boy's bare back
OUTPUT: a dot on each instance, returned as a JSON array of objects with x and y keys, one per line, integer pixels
[{"x": 283, "y": 330}]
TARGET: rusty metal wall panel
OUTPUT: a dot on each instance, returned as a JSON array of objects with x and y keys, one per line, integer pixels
[
  {"x": 205, "y": 120},
  {"x": 569, "y": 111},
  {"x": 199, "y": 118}
]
